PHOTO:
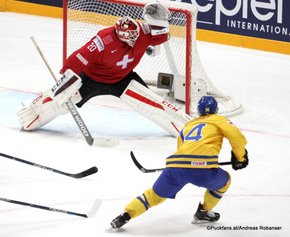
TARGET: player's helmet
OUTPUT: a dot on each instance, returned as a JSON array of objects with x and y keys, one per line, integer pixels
[
  {"x": 127, "y": 30},
  {"x": 207, "y": 105}
]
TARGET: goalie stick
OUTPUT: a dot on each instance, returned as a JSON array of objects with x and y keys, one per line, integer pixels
[
  {"x": 82, "y": 174},
  {"x": 144, "y": 170},
  {"x": 74, "y": 112},
  {"x": 90, "y": 214}
]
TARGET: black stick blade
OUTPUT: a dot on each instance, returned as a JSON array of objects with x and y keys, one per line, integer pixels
[
  {"x": 86, "y": 173},
  {"x": 141, "y": 168}
]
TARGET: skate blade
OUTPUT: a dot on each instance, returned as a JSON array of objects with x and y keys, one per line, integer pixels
[
  {"x": 196, "y": 222},
  {"x": 114, "y": 230}
]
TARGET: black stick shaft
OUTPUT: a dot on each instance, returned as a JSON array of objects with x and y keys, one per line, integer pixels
[
  {"x": 85, "y": 173},
  {"x": 144, "y": 170},
  {"x": 225, "y": 163},
  {"x": 42, "y": 207}
]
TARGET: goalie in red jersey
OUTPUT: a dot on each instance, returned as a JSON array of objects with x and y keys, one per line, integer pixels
[{"x": 105, "y": 66}]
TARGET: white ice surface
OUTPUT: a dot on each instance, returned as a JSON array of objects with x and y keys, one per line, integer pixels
[{"x": 258, "y": 196}]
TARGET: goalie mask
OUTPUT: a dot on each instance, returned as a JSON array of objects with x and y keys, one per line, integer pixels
[{"x": 127, "y": 30}]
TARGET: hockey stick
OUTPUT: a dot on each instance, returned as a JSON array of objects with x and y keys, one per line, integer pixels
[
  {"x": 144, "y": 170},
  {"x": 82, "y": 174},
  {"x": 91, "y": 213},
  {"x": 74, "y": 112}
]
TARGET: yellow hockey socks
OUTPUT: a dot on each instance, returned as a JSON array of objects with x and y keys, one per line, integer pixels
[
  {"x": 142, "y": 203},
  {"x": 211, "y": 198}
]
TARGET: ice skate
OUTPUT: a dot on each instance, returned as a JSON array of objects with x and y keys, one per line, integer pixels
[
  {"x": 203, "y": 216},
  {"x": 120, "y": 220}
]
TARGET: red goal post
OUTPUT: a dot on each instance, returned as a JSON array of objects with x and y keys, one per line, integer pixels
[{"x": 82, "y": 19}]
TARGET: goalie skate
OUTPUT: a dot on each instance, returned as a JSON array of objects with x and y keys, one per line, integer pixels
[{"x": 202, "y": 216}]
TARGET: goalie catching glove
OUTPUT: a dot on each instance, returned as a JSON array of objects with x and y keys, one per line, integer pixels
[
  {"x": 237, "y": 165},
  {"x": 157, "y": 16}
]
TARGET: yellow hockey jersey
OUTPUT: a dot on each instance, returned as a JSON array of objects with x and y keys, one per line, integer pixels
[{"x": 200, "y": 142}]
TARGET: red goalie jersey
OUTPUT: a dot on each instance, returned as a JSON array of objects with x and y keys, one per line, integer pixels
[{"x": 105, "y": 58}]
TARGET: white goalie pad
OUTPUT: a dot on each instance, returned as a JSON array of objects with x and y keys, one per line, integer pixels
[
  {"x": 152, "y": 106},
  {"x": 40, "y": 112},
  {"x": 51, "y": 103}
]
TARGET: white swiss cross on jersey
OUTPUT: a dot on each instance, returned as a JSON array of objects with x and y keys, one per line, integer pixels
[{"x": 124, "y": 62}]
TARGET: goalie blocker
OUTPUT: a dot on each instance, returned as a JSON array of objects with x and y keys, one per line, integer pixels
[{"x": 51, "y": 103}]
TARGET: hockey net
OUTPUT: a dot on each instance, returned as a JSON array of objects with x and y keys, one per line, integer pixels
[{"x": 179, "y": 56}]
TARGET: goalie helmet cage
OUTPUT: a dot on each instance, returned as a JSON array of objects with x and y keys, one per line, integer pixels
[{"x": 179, "y": 56}]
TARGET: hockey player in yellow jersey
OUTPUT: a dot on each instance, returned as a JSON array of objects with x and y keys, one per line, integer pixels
[{"x": 195, "y": 162}]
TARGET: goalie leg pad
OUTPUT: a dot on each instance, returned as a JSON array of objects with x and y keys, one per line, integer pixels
[
  {"x": 51, "y": 103},
  {"x": 41, "y": 111},
  {"x": 152, "y": 106}
]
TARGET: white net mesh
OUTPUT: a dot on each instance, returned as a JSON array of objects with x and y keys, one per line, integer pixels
[{"x": 179, "y": 56}]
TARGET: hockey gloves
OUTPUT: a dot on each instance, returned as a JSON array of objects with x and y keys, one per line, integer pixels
[
  {"x": 237, "y": 165},
  {"x": 157, "y": 11},
  {"x": 156, "y": 14}
]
